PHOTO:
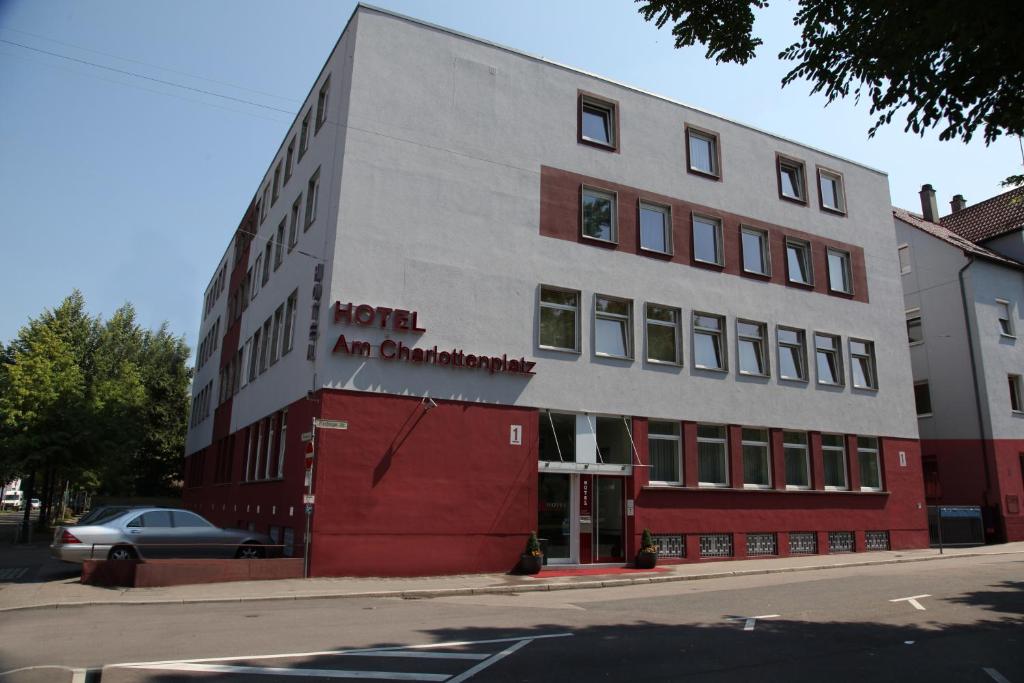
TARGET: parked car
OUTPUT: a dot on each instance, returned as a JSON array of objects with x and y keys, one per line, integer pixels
[
  {"x": 36, "y": 504},
  {"x": 105, "y": 512},
  {"x": 155, "y": 533}
]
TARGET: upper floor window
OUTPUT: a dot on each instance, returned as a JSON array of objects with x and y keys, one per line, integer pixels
[
  {"x": 663, "y": 334},
  {"x": 293, "y": 225},
  {"x": 922, "y": 399},
  {"x": 291, "y": 308},
  {"x": 707, "y": 240},
  {"x": 1003, "y": 309},
  {"x": 798, "y": 262},
  {"x": 904, "y": 253},
  {"x": 702, "y": 152},
  {"x": 304, "y": 133},
  {"x": 655, "y": 228},
  {"x": 839, "y": 276},
  {"x": 312, "y": 195},
  {"x": 597, "y": 122},
  {"x": 756, "y": 258},
  {"x": 265, "y": 204},
  {"x": 1015, "y": 395},
  {"x": 709, "y": 341},
  {"x": 321, "y": 104},
  {"x": 598, "y": 220},
  {"x": 289, "y": 160},
  {"x": 267, "y": 255},
  {"x": 279, "y": 244},
  {"x": 559, "y": 319},
  {"x": 753, "y": 348},
  {"x": 831, "y": 192},
  {"x": 862, "y": 364},
  {"x": 829, "y": 356},
  {"x": 613, "y": 327},
  {"x": 277, "y": 184},
  {"x": 915, "y": 333},
  {"x": 792, "y": 354},
  {"x": 792, "y": 181}
]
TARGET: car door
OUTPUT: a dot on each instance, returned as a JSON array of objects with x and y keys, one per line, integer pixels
[
  {"x": 196, "y": 536},
  {"x": 152, "y": 533}
]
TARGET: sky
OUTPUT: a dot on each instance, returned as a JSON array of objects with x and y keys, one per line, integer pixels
[{"x": 133, "y": 134}]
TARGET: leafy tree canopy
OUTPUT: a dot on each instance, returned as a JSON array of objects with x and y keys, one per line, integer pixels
[{"x": 951, "y": 65}]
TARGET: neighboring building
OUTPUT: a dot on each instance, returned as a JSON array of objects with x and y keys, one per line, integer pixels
[
  {"x": 539, "y": 299},
  {"x": 963, "y": 291}
]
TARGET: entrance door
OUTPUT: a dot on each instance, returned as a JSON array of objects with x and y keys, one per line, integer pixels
[
  {"x": 609, "y": 536},
  {"x": 555, "y": 517}
]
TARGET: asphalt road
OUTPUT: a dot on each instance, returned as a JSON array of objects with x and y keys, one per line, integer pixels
[{"x": 834, "y": 625}]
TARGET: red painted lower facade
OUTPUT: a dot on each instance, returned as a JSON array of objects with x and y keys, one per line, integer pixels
[
  {"x": 987, "y": 473},
  {"x": 412, "y": 487}
]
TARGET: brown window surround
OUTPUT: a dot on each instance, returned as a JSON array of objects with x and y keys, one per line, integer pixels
[
  {"x": 781, "y": 159},
  {"x": 600, "y": 189},
  {"x": 828, "y": 273},
  {"x": 612, "y": 106},
  {"x": 767, "y": 247},
  {"x": 643, "y": 200},
  {"x": 811, "y": 262},
  {"x": 841, "y": 211},
  {"x": 719, "y": 220},
  {"x": 716, "y": 162},
  {"x": 560, "y": 217}
]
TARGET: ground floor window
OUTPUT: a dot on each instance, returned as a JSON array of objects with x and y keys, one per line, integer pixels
[
  {"x": 712, "y": 456},
  {"x": 756, "y": 461},
  {"x": 798, "y": 466},
  {"x": 663, "y": 447},
  {"x": 870, "y": 467}
]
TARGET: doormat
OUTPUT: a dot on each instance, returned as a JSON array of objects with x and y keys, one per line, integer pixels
[{"x": 597, "y": 571}]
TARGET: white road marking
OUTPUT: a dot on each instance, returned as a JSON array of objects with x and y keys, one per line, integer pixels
[
  {"x": 284, "y": 671},
  {"x": 12, "y": 573},
  {"x": 419, "y": 655},
  {"x": 749, "y": 622},
  {"x": 913, "y": 601},
  {"x": 995, "y": 675},
  {"x": 469, "y": 673}
]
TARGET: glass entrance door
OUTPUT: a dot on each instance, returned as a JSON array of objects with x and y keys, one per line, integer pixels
[
  {"x": 609, "y": 536},
  {"x": 555, "y": 516}
]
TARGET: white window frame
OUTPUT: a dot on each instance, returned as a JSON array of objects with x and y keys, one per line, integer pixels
[
  {"x": 1008, "y": 330},
  {"x": 931, "y": 408},
  {"x": 839, "y": 189},
  {"x": 282, "y": 441},
  {"x": 265, "y": 345},
  {"x": 304, "y": 133},
  {"x": 915, "y": 314},
  {"x": 677, "y": 439},
  {"x": 259, "y": 450},
  {"x": 677, "y": 333},
  {"x": 276, "y": 193},
  {"x": 279, "y": 243},
  {"x": 1014, "y": 384},
  {"x": 712, "y": 141},
  {"x": 265, "y": 203},
  {"x": 766, "y": 445},
  {"x": 268, "y": 462},
  {"x": 877, "y": 451},
  {"x": 312, "y": 199},
  {"x": 720, "y": 333},
  {"x": 806, "y": 448},
  {"x": 610, "y": 195},
  {"x": 243, "y": 370},
  {"x": 322, "y": 102},
  {"x": 765, "y": 249},
  {"x": 872, "y": 364},
  {"x": 724, "y": 441},
  {"x": 805, "y": 247},
  {"x": 254, "y": 357},
  {"x": 289, "y": 161},
  {"x": 604, "y": 108},
  {"x": 666, "y": 213},
  {"x": 843, "y": 468},
  {"x": 801, "y": 345},
  {"x": 290, "y": 313},
  {"x": 847, "y": 272},
  {"x": 615, "y": 317},
  {"x": 541, "y": 304},
  {"x": 801, "y": 173},
  {"x": 901, "y": 250},
  {"x": 838, "y": 350},
  {"x": 759, "y": 341},
  {"x": 293, "y": 223},
  {"x": 716, "y": 224},
  {"x": 275, "y": 339}
]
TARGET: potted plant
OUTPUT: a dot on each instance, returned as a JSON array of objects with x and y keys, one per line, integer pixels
[
  {"x": 647, "y": 557},
  {"x": 532, "y": 559}
]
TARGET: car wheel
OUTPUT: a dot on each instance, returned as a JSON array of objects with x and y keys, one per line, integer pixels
[
  {"x": 122, "y": 553},
  {"x": 250, "y": 551}
]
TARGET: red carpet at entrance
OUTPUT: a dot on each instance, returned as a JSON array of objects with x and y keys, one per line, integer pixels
[{"x": 597, "y": 571}]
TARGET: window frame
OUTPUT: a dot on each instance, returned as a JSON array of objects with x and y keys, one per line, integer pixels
[
  {"x": 840, "y": 187},
  {"x": 723, "y": 341},
  {"x": 928, "y": 393},
  {"x": 576, "y": 314},
  {"x": 666, "y": 211},
  {"x": 322, "y": 102},
  {"x": 900, "y": 250},
  {"x": 614, "y": 227},
  {"x": 312, "y": 200},
  {"x": 872, "y": 362},
  {"x": 847, "y": 261},
  {"x": 1007, "y": 331},
  {"x": 832, "y": 449},
  {"x": 877, "y": 451},
  {"x": 282, "y": 228},
  {"x": 764, "y": 356},
  {"x": 289, "y": 160},
  {"x": 839, "y": 361},
  {"x": 290, "y": 318},
  {"x": 716, "y": 157},
  {"x": 304, "y": 133},
  {"x": 801, "y": 168},
  {"x": 611, "y": 111},
  {"x": 719, "y": 242},
  {"x": 677, "y": 439},
  {"x": 677, "y": 333},
  {"x": 801, "y": 344},
  {"x": 767, "y": 445},
  {"x": 724, "y": 441},
  {"x": 276, "y": 185},
  {"x": 1014, "y": 381},
  {"x": 806, "y": 447},
  {"x": 920, "y": 325},
  {"x": 804, "y": 246},
  {"x": 293, "y": 223},
  {"x": 766, "y": 250},
  {"x": 617, "y": 317}
]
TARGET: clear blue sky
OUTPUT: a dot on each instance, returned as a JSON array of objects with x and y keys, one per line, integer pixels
[{"x": 129, "y": 189}]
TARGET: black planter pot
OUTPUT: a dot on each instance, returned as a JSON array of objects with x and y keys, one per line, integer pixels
[
  {"x": 646, "y": 560},
  {"x": 530, "y": 564}
]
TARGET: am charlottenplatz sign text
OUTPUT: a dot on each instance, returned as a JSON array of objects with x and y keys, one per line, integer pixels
[{"x": 402, "y": 320}]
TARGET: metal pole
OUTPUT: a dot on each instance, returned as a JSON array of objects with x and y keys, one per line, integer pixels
[
  {"x": 938, "y": 517},
  {"x": 309, "y": 509}
]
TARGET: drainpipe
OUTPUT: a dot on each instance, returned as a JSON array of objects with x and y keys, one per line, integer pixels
[{"x": 974, "y": 376}]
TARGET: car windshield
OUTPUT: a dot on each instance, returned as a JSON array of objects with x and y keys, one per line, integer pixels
[{"x": 102, "y": 515}]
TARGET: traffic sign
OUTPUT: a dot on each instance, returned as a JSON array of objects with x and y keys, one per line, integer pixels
[
  {"x": 330, "y": 424},
  {"x": 308, "y": 499},
  {"x": 307, "y": 436}
]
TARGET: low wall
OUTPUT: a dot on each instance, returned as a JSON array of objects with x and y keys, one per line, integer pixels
[{"x": 153, "y": 573}]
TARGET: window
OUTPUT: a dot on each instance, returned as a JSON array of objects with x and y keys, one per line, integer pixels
[
  {"x": 922, "y": 399},
  {"x": 751, "y": 340},
  {"x": 839, "y": 278},
  {"x": 829, "y": 356},
  {"x": 559, "y": 324},
  {"x": 756, "y": 463},
  {"x": 246, "y": 362},
  {"x": 798, "y": 262},
  {"x": 904, "y": 254},
  {"x": 293, "y": 225},
  {"x": 183, "y": 519},
  {"x": 1015, "y": 404},
  {"x": 291, "y": 309},
  {"x": 663, "y": 445},
  {"x": 707, "y": 240},
  {"x": 277, "y": 185},
  {"x": 709, "y": 341},
  {"x": 275, "y": 340},
  {"x": 791, "y": 180},
  {"x": 265, "y": 204},
  {"x": 915, "y": 332},
  {"x": 267, "y": 254},
  {"x": 655, "y": 228},
  {"x": 304, "y": 134},
  {"x": 831, "y": 192},
  {"x": 268, "y": 456},
  {"x": 281, "y": 443},
  {"x": 870, "y": 466},
  {"x": 256, "y": 281},
  {"x": 254, "y": 356},
  {"x": 321, "y": 104},
  {"x": 279, "y": 245},
  {"x": 557, "y": 437},
  {"x": 599, "y": 215},
  {"x": 613, "y": 327},
  {"x": 712, "y": 459},
  {"x": 702, "y": 152},
  {"x": 597, "y": 122},
  {"x": 798, "y": 464},
  {"x": 663, "y": 334},
  {"x": 1005, "y": 320},
  {"x": 862, "y": 364},
  {"x": 792, "y": 353},
  {"x": 756, "y": 258},
  {"x": 289, "y": 160},
  {"x": 312, "y": 190},
  {"x": 265, "y": 346},
  {"x": 249, "y": 443},
  {"x": 833, "y": 453}
]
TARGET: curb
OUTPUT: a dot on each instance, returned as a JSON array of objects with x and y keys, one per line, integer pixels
[{"x": 424, "y": 593}]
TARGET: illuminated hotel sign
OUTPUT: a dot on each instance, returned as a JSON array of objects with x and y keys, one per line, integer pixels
[{"x": 401, "y": 320}]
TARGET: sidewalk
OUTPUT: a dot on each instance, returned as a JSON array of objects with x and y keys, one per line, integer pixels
[{"x": 69, "y": 593}]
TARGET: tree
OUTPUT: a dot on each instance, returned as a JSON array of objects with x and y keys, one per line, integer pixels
[{"x": 953, "y": 65}]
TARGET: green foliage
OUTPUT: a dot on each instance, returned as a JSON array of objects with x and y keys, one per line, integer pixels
[
  {"x": 533, "y": 545},
  {"x": 952, "y": 66},
  {"x": 647, "y": 542}
]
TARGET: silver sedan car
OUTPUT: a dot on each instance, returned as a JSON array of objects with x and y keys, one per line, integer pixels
[{"x": 154, "y": 533}]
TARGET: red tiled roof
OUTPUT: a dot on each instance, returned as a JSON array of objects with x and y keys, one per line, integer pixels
[
  {"x": 947, "y": 235},
  {"x": 993, "y": 217}
]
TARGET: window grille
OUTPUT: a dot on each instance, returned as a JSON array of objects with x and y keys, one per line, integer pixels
[
  {"x": 803, "y": 543},
  {"x": 762, "y": 544},
  {"x": 716, "y": 545},
  {"x": 840, "y": 541},
  {"x": 876, "y": 540},
  {"x": 670, "y": 545}
]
